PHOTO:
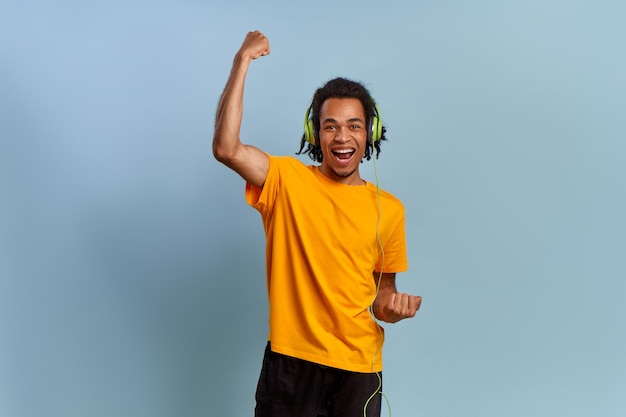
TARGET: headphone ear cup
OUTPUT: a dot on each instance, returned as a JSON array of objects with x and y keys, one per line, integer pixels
[
  {"x": 377, "y": 126},
  {"x": 309, "y": 132}
]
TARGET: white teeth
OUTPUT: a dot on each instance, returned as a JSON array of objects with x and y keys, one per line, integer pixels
[{"x": 343, "y": 150}]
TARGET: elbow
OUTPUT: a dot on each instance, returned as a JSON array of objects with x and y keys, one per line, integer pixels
[
  {"x": 218, "y": 153},
  {"x": 227, "y": 155},
  {"x": 221, "y": 153}
]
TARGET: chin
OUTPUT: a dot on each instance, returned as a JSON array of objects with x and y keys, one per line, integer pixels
[{"x": 344, "y": 173}]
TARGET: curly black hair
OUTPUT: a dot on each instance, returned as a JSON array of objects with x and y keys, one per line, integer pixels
[{"x": 340, "y": 88}]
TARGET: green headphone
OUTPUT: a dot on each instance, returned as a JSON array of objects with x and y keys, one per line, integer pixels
[{"x": 375, "y": 131}]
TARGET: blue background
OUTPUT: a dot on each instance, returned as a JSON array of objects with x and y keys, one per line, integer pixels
[{"x": 132, "y": 271}]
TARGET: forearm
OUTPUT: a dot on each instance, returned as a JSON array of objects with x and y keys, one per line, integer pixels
[
  {"x": 385, "y": 289},
  {"x": 230, "y": 110}
]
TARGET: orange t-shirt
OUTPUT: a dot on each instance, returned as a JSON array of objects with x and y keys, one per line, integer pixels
[{"x": 322, "y": 250}]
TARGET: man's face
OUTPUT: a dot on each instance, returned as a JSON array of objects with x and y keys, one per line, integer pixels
[{"x": 343, "y": 139}]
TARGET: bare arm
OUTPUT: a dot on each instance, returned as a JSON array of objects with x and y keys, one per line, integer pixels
[
  {"x": 249, "y": 162},
  {"x": 390, "y": 305}
]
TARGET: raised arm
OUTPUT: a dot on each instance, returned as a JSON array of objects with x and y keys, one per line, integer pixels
[
  {"x": 249, "y": 162},
  {"x": 390, "y": 305}
]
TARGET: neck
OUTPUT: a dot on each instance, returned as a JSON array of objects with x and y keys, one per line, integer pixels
[{"x": 351, "y": 178}]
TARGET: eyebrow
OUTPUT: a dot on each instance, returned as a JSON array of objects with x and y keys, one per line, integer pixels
[{"x": 352, "y": 120}]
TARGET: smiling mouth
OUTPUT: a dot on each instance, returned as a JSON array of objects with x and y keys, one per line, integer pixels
[{"x": 343, "y": 154}]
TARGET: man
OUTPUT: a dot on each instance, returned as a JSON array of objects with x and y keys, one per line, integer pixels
[{"x": 334, "y": 245}]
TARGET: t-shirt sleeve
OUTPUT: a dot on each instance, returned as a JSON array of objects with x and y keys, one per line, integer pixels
[
  {"x": 262, "y": 198},
  {"x": 394, "y": 258}
]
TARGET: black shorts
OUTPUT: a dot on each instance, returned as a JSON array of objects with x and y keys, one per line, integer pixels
[{"x": 291, "y": 387}]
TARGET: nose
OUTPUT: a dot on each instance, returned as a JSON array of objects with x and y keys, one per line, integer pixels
[{"x": 341, "y": 135}]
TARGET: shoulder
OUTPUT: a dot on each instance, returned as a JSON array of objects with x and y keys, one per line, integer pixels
[
  {"x": 288, "y": 165},
  {"x": 392, "y": 205},
  {"x": 286, "y": 161},
  {"x": 391, "y": 199}
]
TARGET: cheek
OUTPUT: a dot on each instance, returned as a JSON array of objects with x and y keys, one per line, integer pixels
[{"x": 363, "y": 144}]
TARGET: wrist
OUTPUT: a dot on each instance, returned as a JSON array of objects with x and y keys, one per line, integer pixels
[
  {"x": 377, "y": 311},
  {"x": 241, "y": 58}
]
